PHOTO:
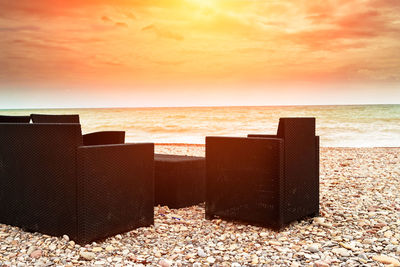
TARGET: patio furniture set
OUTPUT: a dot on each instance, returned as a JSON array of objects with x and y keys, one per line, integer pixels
[{"x": 56, "y": 181}]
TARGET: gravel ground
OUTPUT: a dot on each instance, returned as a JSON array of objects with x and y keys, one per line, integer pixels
[{"x": 359, "y": 225}]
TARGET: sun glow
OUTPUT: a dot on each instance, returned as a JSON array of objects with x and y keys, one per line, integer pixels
[
  {"x": 190, "y": 45},
  {"x": 203, "y": 3}
]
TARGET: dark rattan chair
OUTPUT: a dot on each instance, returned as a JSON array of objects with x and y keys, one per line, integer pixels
[
  {"x": 51, "y": 184},
  {"x": 90, "y": 139},
  {"x": 179, "y": 180},
  {"x": 269, "y": 180},
  {"x": 14, "y": 119}
]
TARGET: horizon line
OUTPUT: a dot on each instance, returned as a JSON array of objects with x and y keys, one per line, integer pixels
[{"x": 201, "y": 106}]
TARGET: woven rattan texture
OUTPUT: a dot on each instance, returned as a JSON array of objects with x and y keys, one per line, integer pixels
[
  {"x": 301, "y": 184},
  {"x": 115, "y": 189},
  {"x": 179, "y": 180},
  {"x": 47, "y": 118},
  {"x": 297, "y": 162},
  {"x": 37, "y": 177},
  {"x": 14, "y": 119},
  {"x": 242, "y": 179}
]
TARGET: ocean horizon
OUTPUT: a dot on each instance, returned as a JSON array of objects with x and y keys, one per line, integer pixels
[{"x": 337, "y": 125}]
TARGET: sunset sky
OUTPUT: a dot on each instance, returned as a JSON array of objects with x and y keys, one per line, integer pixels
[{"x": 105, "y": 53}]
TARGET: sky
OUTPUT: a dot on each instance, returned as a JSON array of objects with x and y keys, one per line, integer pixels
[{"x": 111, "y": 53}]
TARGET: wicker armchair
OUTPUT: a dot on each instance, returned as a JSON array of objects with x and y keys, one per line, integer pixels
[
  {"x": 96, "y": 138},
  {"x": 269, "y": 180},
  {"x": 51, "y": 183}
]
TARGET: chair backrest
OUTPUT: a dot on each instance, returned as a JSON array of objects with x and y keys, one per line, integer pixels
[
  {"x": 48, "y": 118},
  {"x": 301, "y": 159},
  {"x": 14, "y": 119},
  {"x": 38, "y": 176}
]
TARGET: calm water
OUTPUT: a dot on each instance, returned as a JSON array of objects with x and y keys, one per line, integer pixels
[{"x": 339, "y": 126}]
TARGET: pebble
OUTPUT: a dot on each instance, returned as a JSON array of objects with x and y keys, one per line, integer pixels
[
  {"x": 341, "y": 252},
  {"x": 97, "y": 249},
  {"x": 109, "y": 248},
  {"x": 211, "y": 260},
  {"x": 87, "y": 255},
  {"x": 36, "y": 254},
  {"x": 30, "y": 250},
  {"x": 386, "y": 260},
  {"x": 313, "y": 248},
  {"x": 321, "y": 264},
  {"x": 201, "y": 253},
  {"x": 359, "y": 224},
  {"x": 165, "y": 263}
]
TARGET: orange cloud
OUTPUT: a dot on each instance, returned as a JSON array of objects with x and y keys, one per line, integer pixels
[{"x": 198, "y": 41}]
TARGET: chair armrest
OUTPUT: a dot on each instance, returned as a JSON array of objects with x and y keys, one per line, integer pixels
[
  {"x": 263, "y": 135},
  {"x": 104, "y": 138},
  {"x": 115, "y": 189}
]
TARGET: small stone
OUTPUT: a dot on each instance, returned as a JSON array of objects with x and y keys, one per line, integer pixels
[
  {"x": 368, "y": 241},
  {"x": 109, "y": 248},
  {"x": 162, "y": 210},
  {"x": 30, "y": 250},
  {"x": 347, "y": 246},
  {"x": 88, "y": 256},
  {"x": 386, "y": 260},
  {"x": 254, "y": 260},
  {"x": 53, "y": 247},
  {"x": 235, "y": 264},
  {"x": 341, "y": 252},
  {"x": 196, "y": 264},
  {"x": 275, "y": 243},
  {"x": 263, "y": 234},
  {"x": 118, "y": 236},
  {"x": 211, "y": 260},
  {"x": 71, "y": 243},
  {"x": 165, "y": 263},
  {"x": 65, "y": 237},
  {"x": 314, "y": 248},
  {"x": 97, "y": 249},
  {"x": 391, "y": 247},
  {"x": 36, "y": 254},
  {"x": 321, "y": 264},
  {"x": 363, "y": 257},
  {"x": 201, "y": 253},
  {"x": 295, "y": 264},
  {"x": 388, "y": 234}
]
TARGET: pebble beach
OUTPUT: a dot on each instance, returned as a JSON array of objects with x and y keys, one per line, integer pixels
[{"x": 359, "y": 225}]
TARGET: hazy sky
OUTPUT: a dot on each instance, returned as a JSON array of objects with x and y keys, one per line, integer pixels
[{"x": 77, "y": 53}]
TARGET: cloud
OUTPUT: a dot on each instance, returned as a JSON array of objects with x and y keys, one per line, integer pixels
[
  {"x": 19, "y": 28},
  {"x": 121, "y": 24},
  {"x": 106, "y": 19},
  {"x": 169, "y": 63},
  {"x": 163, "y": 32},
  {"x": 184, "y": 39},
  {"x": 131, "y": 15},
  {"x": 148, "y": 27}
]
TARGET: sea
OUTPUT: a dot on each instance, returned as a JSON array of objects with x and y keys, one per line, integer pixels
[{"x": 337, "y": 125}]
